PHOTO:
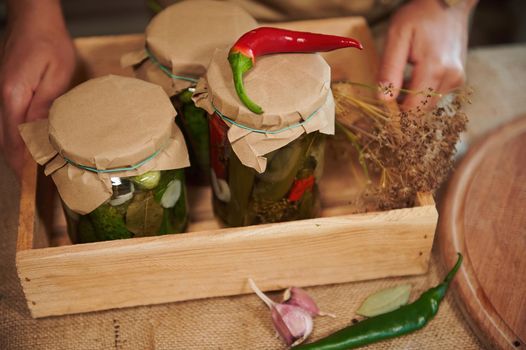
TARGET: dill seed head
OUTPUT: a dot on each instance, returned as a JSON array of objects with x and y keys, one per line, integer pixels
[{"x": 402, "y": 153}]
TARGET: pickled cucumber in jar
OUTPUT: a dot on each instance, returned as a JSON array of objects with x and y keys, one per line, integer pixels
[{"x": 150, "y": 204}]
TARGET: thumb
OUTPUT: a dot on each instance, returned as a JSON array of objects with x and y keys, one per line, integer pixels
[{"x": 15, "y": 102}]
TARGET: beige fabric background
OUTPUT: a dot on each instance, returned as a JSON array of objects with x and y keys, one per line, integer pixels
[{"x": 498, "y": 76}]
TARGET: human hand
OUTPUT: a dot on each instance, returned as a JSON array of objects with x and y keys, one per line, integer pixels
[
  {"x": 431, "y": 37},
  {"x": 37, "y": 66}
]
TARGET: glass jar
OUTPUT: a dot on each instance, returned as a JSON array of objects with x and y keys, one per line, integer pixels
[
  {"x": 151, "y": 204},
  {"x": 179, "y": 42},
  {"x": 286, "y": 190},
  {"x": 193, "y": 123}
]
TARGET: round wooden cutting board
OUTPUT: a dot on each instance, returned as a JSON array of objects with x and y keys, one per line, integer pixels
[{"x": 483, "y": 216}]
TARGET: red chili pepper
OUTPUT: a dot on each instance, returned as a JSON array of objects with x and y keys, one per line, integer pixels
[
  {"x": 218, "y": 138},
  {"x": 267, "y": 40},
  {"x": 299, "y": 187}
]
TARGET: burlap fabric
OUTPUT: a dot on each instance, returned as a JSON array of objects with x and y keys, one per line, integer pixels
[{"x": 219, "y": 323}]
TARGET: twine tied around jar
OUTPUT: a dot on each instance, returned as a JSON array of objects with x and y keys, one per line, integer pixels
[
  {"x": 261, "y": 131},
  {"x": 113, "y": 170},
  {"x": 167, "y": 70}
]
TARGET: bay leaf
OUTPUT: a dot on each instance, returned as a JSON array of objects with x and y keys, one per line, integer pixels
[
  {"x": 385, "y": 300},
  {"x": 144, "y": 215}
]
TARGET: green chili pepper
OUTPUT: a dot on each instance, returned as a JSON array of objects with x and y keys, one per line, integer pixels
[{"x": 406, "y": 319}]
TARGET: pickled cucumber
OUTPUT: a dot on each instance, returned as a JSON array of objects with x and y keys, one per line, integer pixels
[
  {"x": 108, "y": 222},
  {"x": 147, "y": 181}
]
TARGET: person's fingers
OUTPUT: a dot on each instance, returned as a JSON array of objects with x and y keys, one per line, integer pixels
[
  {"x": 425, "y": 78},
  {"x": 18, "y": 81},
  {"x": 16, "y": 100},
  {"x": 394, "y": 59},
  {"x": 16, "y": 97},
  {"x": 52, "y": 84}
]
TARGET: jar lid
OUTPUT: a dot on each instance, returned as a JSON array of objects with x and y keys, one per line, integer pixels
[
  {"x": 108, "y": 126},
  {"x": 181, "y": 39},
  {"x": 293, "y": 90},
  {"x": 111, "y": 122}
]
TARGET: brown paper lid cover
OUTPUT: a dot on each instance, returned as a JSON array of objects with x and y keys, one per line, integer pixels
[
  {"x": 184, "y": 36},
  {"x": 111, "y": 122}
]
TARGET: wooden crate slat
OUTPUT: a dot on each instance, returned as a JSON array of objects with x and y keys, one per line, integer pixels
[{"x": 152, "y": 270}]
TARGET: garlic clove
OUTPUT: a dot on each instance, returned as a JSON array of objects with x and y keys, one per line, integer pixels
[
  {"x": 292, "y": 323},
  {"x": 172, "y": 194},
  {"x": 220, "y": 188},
  {"x": 299, "y": 297}
]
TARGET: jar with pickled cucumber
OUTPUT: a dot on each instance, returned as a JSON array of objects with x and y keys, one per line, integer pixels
[
  {"x": 267, "y": 167},
  {"x": 117, "y": 159},
  {"x": 180, "y": 41}
]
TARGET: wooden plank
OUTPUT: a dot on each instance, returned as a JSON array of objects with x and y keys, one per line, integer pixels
[
  {"x": 424, "y": 198},
  {"x": 98, "y": 276},
  {"x": 27, "y": 215}
]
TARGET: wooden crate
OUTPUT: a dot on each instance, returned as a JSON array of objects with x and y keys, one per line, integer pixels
[{"x": 59, "y": 278}]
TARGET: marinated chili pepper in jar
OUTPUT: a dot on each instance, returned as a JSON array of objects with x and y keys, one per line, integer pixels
[
  {"x": 179, "y": 43},
  {"x": 406, "y": 319},
  {"x": 117, "y": 158},
  {"x": 267, "y": 40},
  {"x": 267, "y": 168}
]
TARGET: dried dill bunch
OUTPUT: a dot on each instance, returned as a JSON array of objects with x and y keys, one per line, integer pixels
[{"x": 400, "y": 153}]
